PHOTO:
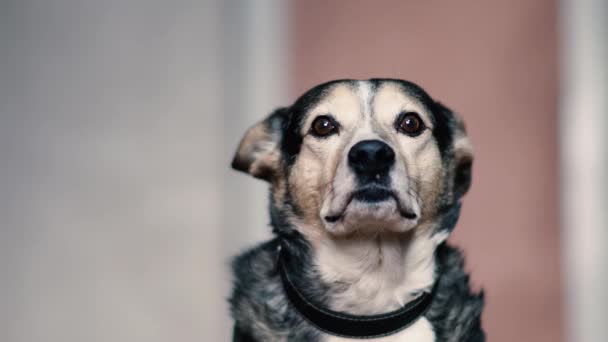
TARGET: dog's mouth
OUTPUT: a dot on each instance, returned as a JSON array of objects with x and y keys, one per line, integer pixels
[{"x": 373, "y": 195}]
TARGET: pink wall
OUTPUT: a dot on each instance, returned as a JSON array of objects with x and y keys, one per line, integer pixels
[{"x": 495, "y": 63}]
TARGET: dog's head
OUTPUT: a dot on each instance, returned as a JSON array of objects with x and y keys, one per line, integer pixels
[{"x": 359, "y": 156}]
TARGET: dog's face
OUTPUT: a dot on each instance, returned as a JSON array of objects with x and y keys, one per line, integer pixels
[{"x": 360, "y": 156}]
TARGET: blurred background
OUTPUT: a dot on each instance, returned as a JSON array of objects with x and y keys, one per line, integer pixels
[{"x": 119, "y": 212}]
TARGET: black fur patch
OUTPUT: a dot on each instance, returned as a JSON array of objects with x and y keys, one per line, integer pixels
[
  {"x": 259, "y": 305},
  {"x": 456, "y": 312}
]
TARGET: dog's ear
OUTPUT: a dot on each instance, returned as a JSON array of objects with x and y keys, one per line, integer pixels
[
  {"x": 461, "y": 164},
  {"x": 259, "y": 152}
]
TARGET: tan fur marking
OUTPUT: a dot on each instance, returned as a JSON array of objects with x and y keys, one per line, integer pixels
[
  {"x": 258, "y": 152},
  {"x": 314, "y": 170},
  {"x": 419, "y": 155}
]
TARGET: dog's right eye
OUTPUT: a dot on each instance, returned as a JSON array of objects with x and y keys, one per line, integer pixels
[{"x": 323, "y": 126}]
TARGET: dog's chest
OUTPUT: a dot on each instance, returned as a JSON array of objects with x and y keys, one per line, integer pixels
[{"x": 420, "y": 331}]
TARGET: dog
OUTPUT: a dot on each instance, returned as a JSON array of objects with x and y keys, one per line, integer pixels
[{"x": 366, "y": 181}]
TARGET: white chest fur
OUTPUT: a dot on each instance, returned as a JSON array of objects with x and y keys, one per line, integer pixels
[
  {"x": 380, "y": 276},
  {"x": 376, "y": 276},
  {"x": 420, "y": 331}
]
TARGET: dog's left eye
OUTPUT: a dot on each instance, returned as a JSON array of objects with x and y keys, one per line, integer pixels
[
  {"x": 323, "y": 126},
  {"x": 410, "y": 123}
]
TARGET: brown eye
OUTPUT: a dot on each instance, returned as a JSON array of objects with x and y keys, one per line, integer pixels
[
  {"x": 323, "y": 126},
  {"x": 410, "y": 123}
]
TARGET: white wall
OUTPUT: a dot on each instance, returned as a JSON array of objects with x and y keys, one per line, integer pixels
[
  {"x": 118, "y": 119},
  {"x": 584, "y": 152}
]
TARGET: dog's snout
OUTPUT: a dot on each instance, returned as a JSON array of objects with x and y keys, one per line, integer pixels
[{"x": 371, "y": 157}]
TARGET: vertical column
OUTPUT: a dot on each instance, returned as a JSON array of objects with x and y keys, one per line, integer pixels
[{"x": 583, "y": 126}]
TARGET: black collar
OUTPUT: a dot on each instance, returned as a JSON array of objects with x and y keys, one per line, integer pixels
[{"x": 352, "y": 326}]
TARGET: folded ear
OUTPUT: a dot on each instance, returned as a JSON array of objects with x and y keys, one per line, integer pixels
[
  {"x": 463, "y": 163},
  {"x": 463, "y": 158},
  {"x": 462, "y": 153},
  {"x": 259, "y": 151}
]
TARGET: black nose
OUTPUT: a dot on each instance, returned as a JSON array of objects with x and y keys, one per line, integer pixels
[{"x": 370, "y": 157}]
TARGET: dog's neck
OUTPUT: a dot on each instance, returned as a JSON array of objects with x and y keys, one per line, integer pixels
[{"x": 369, "y": 275}]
